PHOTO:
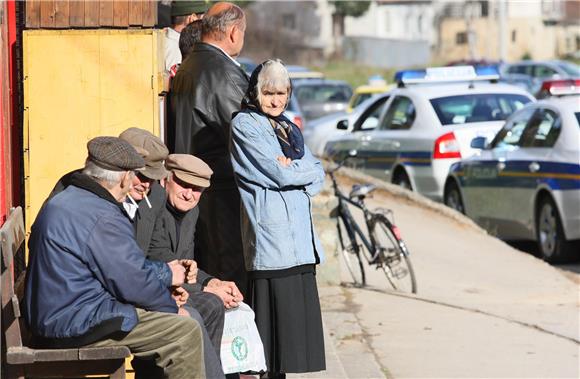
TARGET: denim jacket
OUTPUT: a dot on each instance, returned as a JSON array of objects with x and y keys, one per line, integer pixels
[{"x": 276, "y": 217}]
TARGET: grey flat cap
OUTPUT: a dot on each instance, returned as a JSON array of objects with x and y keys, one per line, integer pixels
[{"x": 115, "y": 154}]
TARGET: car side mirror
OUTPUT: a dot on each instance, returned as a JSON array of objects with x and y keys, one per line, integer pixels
[
  {"x": 479, "y": 143},
  {"x": 342, "y": 125}
]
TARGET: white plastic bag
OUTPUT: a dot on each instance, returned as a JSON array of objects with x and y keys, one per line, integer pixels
[{"x": 241, "y": 348}]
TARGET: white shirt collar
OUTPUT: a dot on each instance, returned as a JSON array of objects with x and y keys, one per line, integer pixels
[{"x": 227, "y": 55}]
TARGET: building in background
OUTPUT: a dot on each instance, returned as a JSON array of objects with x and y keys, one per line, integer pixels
[{"x": 403, "y": 33}]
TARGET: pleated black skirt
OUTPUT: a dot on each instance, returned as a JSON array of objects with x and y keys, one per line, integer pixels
[{"x": 289, "y": 320}]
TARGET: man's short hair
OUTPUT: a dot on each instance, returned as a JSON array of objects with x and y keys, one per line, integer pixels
[
  {"x": 216, "y": 25},
  {"x": 189, "y": 36},
  {"x": 109, "y": 178}
]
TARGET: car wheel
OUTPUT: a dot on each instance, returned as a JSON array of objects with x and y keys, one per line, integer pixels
[
  {"x": 550, "y": 237},
  {"x": 452, "y": 197},
  {"x": 402, "y": 179}
]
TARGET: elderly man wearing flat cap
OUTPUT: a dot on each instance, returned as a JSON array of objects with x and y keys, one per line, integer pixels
[
  {"x": 183, "y": 12},
  {"x": 173, "y": 238},
  {"x": 87, "y": 282}
]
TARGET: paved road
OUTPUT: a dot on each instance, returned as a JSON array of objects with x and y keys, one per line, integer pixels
[{"x": 484, "y": 309}]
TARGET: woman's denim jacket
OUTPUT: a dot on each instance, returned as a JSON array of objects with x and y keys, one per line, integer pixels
[{"x": 276, "y": 214}]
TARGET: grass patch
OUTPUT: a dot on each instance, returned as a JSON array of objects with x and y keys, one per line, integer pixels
[{"x": 352, "y": 73}]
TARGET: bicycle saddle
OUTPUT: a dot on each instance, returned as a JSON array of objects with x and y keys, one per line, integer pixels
[{"x": 361, "y": 190}]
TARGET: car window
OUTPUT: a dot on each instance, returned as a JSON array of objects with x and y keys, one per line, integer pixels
[
  {"x": 570, "y": 68},
  {"x": 512, "y": 131},
  {"x": 370, "y": 117},
  {"x": 520, "y": 69},
  {"x": 542, "y": 71},
  {"x": 577, "y": 114},
  {"x": 542, "y": 130},
  {"x": 323, "y": 93},
  {"x": 360, "y": 98},
  {"x": 400, "y": 115},
  {"x": 452, "y": 110}
]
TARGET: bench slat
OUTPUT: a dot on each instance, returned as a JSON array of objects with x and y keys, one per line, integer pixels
[{"x": 115, "y": 352}]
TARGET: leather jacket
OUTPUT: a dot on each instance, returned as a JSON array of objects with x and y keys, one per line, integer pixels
[{"x": 206, "y": 91}]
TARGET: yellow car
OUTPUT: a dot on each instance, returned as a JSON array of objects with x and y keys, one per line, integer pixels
[{"x": 361, "y": 93}]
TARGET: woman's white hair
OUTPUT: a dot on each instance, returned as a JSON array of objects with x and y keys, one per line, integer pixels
[
  {"x": 273, "y": 76},
  {"x": 108, "y": 178}
]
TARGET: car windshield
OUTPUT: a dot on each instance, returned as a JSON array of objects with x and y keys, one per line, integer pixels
[
  {"x": 570, "y": 68},
  {"x": 323, "y": 93},
  {"x": 462, "y": 109}
]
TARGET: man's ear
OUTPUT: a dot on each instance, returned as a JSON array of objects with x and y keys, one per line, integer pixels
[
  {"x": 127, "y": 179},
  {"x": 232, "y": 34}
]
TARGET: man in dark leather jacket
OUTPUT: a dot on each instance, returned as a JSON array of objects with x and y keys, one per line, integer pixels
[{"x": 206, "y": 91}]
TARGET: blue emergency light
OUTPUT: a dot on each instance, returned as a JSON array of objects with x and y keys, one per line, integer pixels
[{"x": 446, "y": 75}]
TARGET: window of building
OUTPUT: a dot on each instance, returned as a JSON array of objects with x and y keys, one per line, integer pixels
[
  {"x": 461, "y": 38},
  {"x": 289, "y": 21},
  {"x": 513, "y": 36}
]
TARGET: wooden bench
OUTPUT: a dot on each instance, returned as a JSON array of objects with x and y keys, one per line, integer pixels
[{"x": 19, "y": 360}]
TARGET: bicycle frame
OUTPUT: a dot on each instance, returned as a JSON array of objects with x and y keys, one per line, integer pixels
[{"x": 350, "y": 223}]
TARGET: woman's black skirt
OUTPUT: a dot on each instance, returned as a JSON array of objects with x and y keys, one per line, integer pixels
[{"x": 289, "y": 320}]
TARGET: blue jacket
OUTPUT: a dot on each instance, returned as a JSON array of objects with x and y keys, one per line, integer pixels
[
  {"x": 86, "y": 272},
  {"x": 276, "y": 217}
]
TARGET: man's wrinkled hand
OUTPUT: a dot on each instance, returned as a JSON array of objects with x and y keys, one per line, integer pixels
[
  {"x": 227, "y": 291},
  {"x": 180, "y": 295},
  {"x": 190, "y": 270},
  {"x": 177, "y": 273}
]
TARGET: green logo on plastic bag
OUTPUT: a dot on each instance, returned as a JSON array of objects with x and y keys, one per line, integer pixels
[{"x": 239, "y": 348}]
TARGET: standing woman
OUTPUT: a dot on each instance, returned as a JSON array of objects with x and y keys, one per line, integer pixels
[{"x": 277, "y": 176}]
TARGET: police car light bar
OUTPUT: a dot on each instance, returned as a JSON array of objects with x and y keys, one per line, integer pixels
[{"x": 447, "y": 75}]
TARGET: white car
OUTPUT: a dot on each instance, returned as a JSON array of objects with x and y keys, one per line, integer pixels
[
  {"x": 428, "y": 124},
  {"x": 364, "y": 117},
  {"x": 525, "y": 185}
]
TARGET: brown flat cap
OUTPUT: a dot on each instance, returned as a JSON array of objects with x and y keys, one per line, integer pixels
[
  {"x": 115, "y": 154},
  {"x": 156, "y": 149},
  {"x": 190, "y": 169}
]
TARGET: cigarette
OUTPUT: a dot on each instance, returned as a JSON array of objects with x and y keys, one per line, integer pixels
[
  {"x": 133, "y": 201},
  {"x": 147, "y": 200}
]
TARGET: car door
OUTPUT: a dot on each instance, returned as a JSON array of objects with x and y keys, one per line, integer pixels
[
  {"x": 382, "y": 147},
  {"x": 485, "y": 186},
  {"x": 526, "y": 170}
]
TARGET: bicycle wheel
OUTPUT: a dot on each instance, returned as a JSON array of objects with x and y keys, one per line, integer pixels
[
  {"x": 350, "y": 253},
  {"x": 394, "y": 258}
]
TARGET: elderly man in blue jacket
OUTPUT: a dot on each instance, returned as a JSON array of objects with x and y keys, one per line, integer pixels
[{"x": 88, "y": 282}]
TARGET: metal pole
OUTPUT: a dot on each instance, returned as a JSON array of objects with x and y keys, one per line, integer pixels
[{"x": 502, "y": 30}]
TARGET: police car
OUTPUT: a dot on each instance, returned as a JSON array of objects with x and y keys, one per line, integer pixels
[
  {"x": 428, "y": 124},
  {"x": 525, "y": 184},
  {"x": 364, "y": 117}
]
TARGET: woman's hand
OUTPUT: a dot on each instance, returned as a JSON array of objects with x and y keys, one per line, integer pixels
[{"x": 285, "y": 162}]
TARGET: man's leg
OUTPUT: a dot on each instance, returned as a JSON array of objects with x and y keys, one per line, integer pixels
[
  {"x": 213, "y": 363},
  {"x": 212, "y": 310},
  {"x": 174, "y": 342}
]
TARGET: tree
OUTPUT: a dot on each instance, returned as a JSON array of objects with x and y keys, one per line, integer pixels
[{"x": 346, "y": 8}]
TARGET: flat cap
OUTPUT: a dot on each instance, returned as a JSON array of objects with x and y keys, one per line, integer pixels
[
  {"x": 189, "y": 169},
  {"x": 186, "y": 7},
  {"x": 155, "y": 148},
  {"x": 115, "y": 154}
]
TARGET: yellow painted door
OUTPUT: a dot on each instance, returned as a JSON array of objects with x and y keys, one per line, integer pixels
[{"x": 80, "y": 84}]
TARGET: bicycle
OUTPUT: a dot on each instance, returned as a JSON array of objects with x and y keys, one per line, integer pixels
[{"x": 384, "y": 248}]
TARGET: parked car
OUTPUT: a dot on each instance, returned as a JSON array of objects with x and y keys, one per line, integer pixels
[
  {"x": 364, "y": 92},
  {"x": 301, "y": 72},
  {"x": 525, "y": 184},
  {"x": 539, "y": 71},
  {"x": 363, "y": 118},
  {"x": 320, "y": 97},
  {"x": 427, "y": 125}
]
